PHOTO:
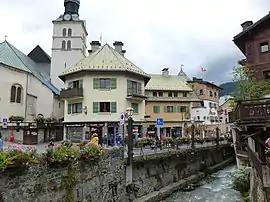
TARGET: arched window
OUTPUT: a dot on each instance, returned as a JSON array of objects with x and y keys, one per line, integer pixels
[
  {"x": 68, "y": 44},
  {"x": 16, "y": 94},
  {"x": 13, "y": 94},
  {"x": 69, "y": 32},
  {"x": 63, "y": 44},
  {"x": 19, "y": 95},
  {"x": 64, "y": 32}
]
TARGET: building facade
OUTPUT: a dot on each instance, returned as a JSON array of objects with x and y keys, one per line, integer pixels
[
  {"x": 100, "y": 88},
  {"x": 225, "y": 108},
  {"x": 169, "y": 98},
  {"x": 254, "y": 42},
  {"x": 69, "y": 41},
  {"x": 26, "y": 90},
  {"x": 207, "y": 110}
]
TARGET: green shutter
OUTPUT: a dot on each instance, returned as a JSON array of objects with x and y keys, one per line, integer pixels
[
  {"x": 178, "y": 109},
  {"x": 135, "y": 106},
  {"x": 174, "y": 109},
  {"x": 156, "y": 109},
  {"x": 95, "y": 107},
  {"x": 129, "y": 87},
  {"x": 79, "y": 107},
  {"x": 80, "y": 83},
  {"x": 139, "y": 88},
  {"x": 113, "y": 107},
  {"x": 165, "y": 108},
  {"x": 69, "y": 108},
  {"x": 96, "y": 83},
  {"x": 113, "y": 83}
]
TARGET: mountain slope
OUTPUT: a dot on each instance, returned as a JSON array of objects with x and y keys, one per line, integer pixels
[{"x": 228, "y": 88}]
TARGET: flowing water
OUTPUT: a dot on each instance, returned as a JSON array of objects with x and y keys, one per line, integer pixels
[{"x": 216, "y": 188}]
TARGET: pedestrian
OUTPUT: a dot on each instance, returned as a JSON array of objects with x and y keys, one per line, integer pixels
[
  {"x": 95, "y": 139},
  {"x": 1, "y": 143}
]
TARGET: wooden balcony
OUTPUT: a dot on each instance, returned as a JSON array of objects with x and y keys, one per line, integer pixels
[
  {"x": 253, "y": 110},
  {"x": 135, "y": 96},
  {"x": 71, "y": 93},
  {"x": 262, "y": 168}
]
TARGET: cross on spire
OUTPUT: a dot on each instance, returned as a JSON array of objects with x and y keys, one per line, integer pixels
[
  {"x": 5, "y": 37},
  {"x": 181, "y": 67}
]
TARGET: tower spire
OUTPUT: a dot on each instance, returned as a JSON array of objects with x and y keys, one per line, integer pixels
[{"x": 72, "y": 6}]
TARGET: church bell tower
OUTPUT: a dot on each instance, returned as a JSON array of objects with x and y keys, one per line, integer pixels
[{"x": 69, "y": 41}]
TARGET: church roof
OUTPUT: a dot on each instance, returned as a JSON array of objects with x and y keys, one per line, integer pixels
[
  {"x": 105, "y": 59},
  {"x": 182, "y": 75},
  {"x": 12, "y": 57}
]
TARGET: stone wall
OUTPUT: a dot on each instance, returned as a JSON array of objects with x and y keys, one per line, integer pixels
[
  {"x": 103, "y": 180},
  {"x": 152, "y": 173}
]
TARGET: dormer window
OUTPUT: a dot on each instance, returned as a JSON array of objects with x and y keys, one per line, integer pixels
[{"x": 264, "y": 47}]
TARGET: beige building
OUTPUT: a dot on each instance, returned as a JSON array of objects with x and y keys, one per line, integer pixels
[
  {"x": 170, "y": 98},
  {"x": 225, "y": 109},
  {"x": 100, "y": 88}
]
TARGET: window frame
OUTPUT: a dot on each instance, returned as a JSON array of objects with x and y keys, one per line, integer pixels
[{"x": 264, "y": 45}]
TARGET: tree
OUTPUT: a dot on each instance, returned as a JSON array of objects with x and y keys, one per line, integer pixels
[{"x": 248, "y": 87}]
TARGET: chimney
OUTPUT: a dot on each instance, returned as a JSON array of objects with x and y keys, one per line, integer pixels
[
  {"x": 165, "y": 72},
  {"x": 246, "y": 25},
  {"x": 94, "y": 46},
  {"x": 118, "y": 47}
]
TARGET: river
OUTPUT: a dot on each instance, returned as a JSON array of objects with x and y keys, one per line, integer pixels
[{"x": 216, "y": 188}]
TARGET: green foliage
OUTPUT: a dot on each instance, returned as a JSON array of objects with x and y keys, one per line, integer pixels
[
  {"x": 241, "y": 181},
  {"x": 68, "y": 183},
  {"x": 17, "y": 156},
  {"x": 16, "y": 119},
  {"x": 91, "y": 152},
  {"x": 248, "y": 87}
]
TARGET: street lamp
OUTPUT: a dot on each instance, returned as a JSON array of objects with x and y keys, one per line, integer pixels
[
  {"x": 129, "y": 112},
  {"x": 129, "y": 168},
  {"x": 192, "y": 135}
]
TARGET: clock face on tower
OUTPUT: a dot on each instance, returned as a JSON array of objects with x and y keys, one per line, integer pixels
[{"x": 67, "y": 17}]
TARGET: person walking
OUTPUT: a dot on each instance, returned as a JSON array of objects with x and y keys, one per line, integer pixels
[{"x": 1, "y": 143}]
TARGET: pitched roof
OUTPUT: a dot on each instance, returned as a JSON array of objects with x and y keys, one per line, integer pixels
[
  {"x": 170, "y": 82},
  {"x": 239, "y": 38},
  {"x": 105, "y": 59},
  {"x": 12, "y": 57},
  {"x": 39, "y": 55}
]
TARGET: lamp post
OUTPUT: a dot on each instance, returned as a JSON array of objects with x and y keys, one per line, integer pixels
[
  {"x": 130, "y": 111},
  {"x": 192, "y": 135},
  {"x": 129, "y": 168}
]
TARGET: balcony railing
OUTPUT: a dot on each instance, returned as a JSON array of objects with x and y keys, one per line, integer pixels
[
  {"x": 253, "y": 110},
  {"x": 71, "y": 93},
  {"x": 136, "y": 96},
  {"x": 188, "y": 99}
]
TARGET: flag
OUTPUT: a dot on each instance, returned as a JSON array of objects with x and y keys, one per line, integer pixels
[{"x": 203, "y": 70}]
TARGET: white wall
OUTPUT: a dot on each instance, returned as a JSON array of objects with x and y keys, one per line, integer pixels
[
  {"x": 94, "y": 95},
  {"x": 45, "y": 98},
  {"x": 62, "y": 59},
  {"x": 204, "y": 112}
]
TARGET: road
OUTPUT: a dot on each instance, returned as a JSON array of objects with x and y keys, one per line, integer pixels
[{"x": 41, "y": 148}]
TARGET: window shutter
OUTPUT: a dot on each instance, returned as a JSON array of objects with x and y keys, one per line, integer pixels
[
  {"x": 95, "y": 107},
  {"x": 96, "y": 83},
  {"x": 113, "y": 107},
  {"x": 129, "y": 87},
  {"x": 69, "y": 108},
  {"x": 79, "y": 107},
  {"x": 80, "y": 83},
  {"x": 139, "y": 88},
  {"x": 178, "y": 109},
  {"x": 165, "y": 108},
  {"x": 174, "y": 109},
  {"x": 135, "y": 106},
  {"x": 113, "y": 83}
]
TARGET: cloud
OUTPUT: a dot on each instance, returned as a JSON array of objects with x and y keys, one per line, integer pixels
[{"x": 156, "y": 34}]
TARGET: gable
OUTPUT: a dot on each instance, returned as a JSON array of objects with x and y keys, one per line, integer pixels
[{"x": 12, "y": 57}]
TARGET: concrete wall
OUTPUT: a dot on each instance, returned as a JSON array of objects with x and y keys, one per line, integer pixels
[
  {"x": 94, "y": 181},
  {"x": 156, "y": 172}
]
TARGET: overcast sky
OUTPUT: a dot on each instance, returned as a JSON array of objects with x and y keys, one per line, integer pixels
[{"x": 156, "y": 33}]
